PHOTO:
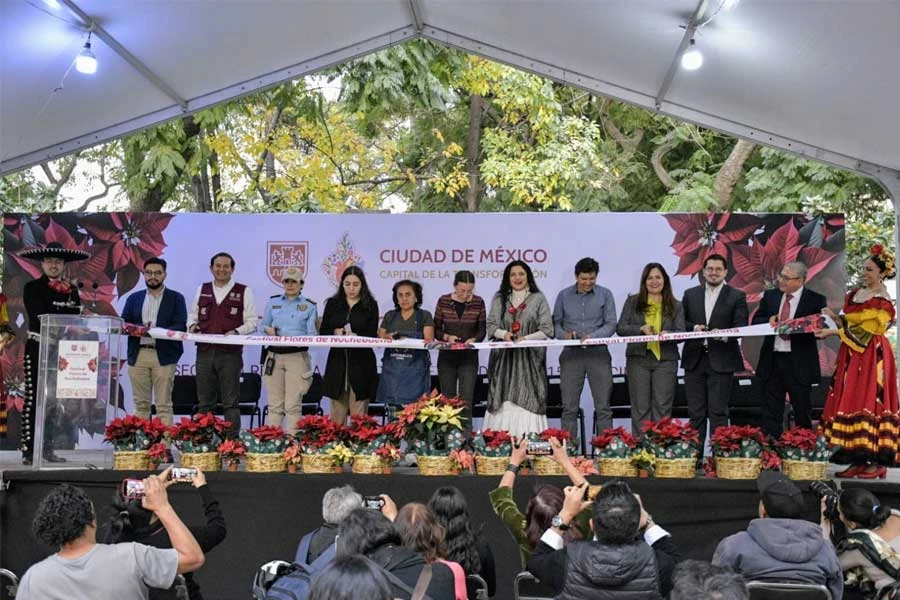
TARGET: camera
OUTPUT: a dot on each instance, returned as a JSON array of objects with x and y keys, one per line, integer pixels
[
  {"x": 823, "y": 490},
  {"x": 182, "y": 474},
  {"x": 133, "y": 489},
  {"x": 373, "y": 502},
  {"x": 539, "y": 448}
]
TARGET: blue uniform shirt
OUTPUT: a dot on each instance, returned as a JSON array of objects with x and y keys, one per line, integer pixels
[{"x": 291, "y": 317}]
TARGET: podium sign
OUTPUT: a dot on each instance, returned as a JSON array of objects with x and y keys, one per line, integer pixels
[{"x": 78, "y": 389}]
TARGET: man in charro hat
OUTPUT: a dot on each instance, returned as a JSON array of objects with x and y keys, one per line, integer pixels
[{"x": 49, "y": 294}]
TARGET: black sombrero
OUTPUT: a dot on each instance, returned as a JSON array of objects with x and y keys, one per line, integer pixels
[{"x": 55, "y": 250}]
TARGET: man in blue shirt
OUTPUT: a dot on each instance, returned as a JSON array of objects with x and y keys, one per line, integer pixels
[
  {"x": 585, "y": 310},
  {"x": 287, "y": 369}
]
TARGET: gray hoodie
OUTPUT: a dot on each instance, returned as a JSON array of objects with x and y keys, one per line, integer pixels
[{"x": 791, "y": 550}]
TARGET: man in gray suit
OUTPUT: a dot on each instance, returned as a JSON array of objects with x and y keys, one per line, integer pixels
[
  {"x": 585, "y": 310},
  {"x": 709, "y": 364}
]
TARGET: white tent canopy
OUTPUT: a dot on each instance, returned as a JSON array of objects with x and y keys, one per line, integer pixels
[{"x": 815, "y": 77}]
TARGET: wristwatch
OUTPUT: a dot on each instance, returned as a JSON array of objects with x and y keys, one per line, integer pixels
[
  {"x": 558, "y": 523},
  {"x": 648, "y": 524},
  {"x": 512, "y": 468}
]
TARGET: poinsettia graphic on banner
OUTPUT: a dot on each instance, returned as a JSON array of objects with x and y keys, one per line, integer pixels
[{"x": 118, "y": 245}]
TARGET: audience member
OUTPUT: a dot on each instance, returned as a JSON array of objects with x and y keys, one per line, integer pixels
[
  {"x": 699, "y": 580},
  {"x": 617, "y": 562},
  {"x": 82, "y": 569},
  {"x": 420, "y": 531},
  {"x": 337, "y": 503},
  {"x": 464, "y": 545},
  {"x": 350, "y": 578},
  {"x": 134, "y": 523},
  {"x": 371, "y": 533},
  {"x": 546, "y": 502},
  {"x": 780, "y": 545},
  {"x": 870, "y": 552}
]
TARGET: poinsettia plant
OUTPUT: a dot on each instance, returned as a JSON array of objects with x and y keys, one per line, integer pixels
[
  {"x": 799, "y": 443},
  {"x": 584, "y": 465},
  {"x": 462, "y": 460},
  {"x": 737, "y": 441},
  {"x": 293, "y": 453},
  {"x": 615, "y": 442},
  {"x": 668, "y": 438},
  {"x": 366, "y": 436},
  {"x": 561, "y": 435},
  {"x": 318, "y": 433},
  {"x": 265, "y": 439},
  {"x": 203, "y": 432},
  {"x": 231, "y": 451},
  {"x": 644, "y": 459},
  {"x": 432, "y": 425},
  {"x": 158, "y": 453},
  {"x": 133, "y": 434},
  {"x": 492, "y": 443}
]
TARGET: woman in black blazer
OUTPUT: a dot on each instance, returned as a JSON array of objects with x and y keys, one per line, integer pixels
[{"x": 651, "y": 367}]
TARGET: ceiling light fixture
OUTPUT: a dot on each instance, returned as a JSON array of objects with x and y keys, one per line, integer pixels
[
  {"x": 692, "y": 59},
  {"x": 86, "y": 62},
  {"x": 54, "y": 4}
]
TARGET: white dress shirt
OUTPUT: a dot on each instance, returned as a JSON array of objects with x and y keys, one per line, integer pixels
[
  {"x": 150, "y": 311},
  {"x": 711, "y": 297},
  {"x": 782, "y": 345}
]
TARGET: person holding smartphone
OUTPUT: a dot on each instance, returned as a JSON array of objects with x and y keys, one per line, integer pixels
[{"x": 132, "y": 522}]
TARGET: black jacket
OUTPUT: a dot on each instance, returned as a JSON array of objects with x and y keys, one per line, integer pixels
[
  {"x": 730, "y": 311},
  {"x": 353, "y": 365},
  {"x": 406, "y": 564},
  {"x": 804, "y": 354}
]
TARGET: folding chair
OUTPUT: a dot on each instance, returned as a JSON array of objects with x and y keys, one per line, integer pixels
[
  {"x": 529, "y": 587},
  {"x": 476, "y": 587},
  {"x": 771, "y": 590}
]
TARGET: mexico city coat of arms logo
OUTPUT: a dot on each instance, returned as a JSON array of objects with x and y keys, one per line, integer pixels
[{"x": 281, "y": 255}]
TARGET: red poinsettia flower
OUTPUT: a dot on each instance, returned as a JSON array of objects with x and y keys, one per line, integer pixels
[
  {"x": 314, "y": 431},
  {"x": 231, "y": 451},
  {"x": 158, "y": 453},
  {"x": 606, "y": 437},
  {"x": 698, "y": 235},
  {"x": 669, "y": 431},
  {"x": 758, "y": 265},
  {"x": 800, "y": 438},
  {"x": 496, "y": 438},
  {"x": 770, "y": 460},
  {"x": 267, "y": 433},
  {"x": 132, "y": 239},
  {"x": 560, "y": 434}
]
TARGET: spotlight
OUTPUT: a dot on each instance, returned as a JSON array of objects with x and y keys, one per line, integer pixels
[
  {"x": 692, "y": 59},
  {"x": 86, "y": 62},
  {"x": 54, "y": 4}
]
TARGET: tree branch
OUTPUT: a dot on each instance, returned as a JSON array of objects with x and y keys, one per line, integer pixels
[
  {"x": 106, "y": 187},
  {"x": 473, "y": 152},
  {"x": 730, "y": 173},
  {"x": 629, "y": 144},
  {"x": 656, "y": 160}
]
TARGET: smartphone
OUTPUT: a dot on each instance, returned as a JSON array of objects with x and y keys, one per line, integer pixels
[
  {"x": 373, "y": 502},
  {"x": 132, "y": 489},
  {"x": 539, "y": 448},
  {"x": 270, "y": 366},
  {"x": 182, "y": 474},
  {"x": 591, "y": 491}
]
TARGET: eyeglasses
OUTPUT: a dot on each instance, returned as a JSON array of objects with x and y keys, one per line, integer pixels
[
  {"x": 784, "y": 277},
  {"x": 154, "y": 273}
]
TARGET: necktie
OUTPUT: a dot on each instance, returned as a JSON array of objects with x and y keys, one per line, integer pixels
[{"x": 786, "y": 313}]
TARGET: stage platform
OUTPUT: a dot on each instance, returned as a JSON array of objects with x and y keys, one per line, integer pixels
[{"x": 267, "y": 514}]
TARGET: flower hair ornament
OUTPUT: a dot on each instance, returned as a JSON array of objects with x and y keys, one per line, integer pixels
[{"x": 886, "y": 258}]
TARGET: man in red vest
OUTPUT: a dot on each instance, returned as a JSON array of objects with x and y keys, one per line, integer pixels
[{"x": 224, "y": 307}]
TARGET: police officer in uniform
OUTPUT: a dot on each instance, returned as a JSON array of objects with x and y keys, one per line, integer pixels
[
  {"x": 49, "y": 294},
  {"x": 287, "y": 371}
]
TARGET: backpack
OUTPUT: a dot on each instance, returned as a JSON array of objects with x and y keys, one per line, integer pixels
[
  {"x": 292, "y": 584},
  {"x": 303, "y": 552}
]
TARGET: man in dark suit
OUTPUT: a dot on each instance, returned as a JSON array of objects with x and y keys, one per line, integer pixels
[
  {"x": 151, "y": 362},
  {"x": 787, "y": 364},
  {"x": 709, "y": 364}
]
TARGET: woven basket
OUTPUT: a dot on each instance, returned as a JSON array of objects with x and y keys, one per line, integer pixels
[
  {"x": 370, "y": 464},
  {"x": 435, "y": 465},
  {"x": 676, "y": 468},
  {"x": 131, "y": 461},
  {"x": 544, "y": 465},
  {"x": 266, "y": 463},
  {"x": 804, "y": 470},
  {"x": 617, "y": 467},
  {"x": 319, "y": 463},
  {"x": 491, "y": 465},
  {"x": 738, "y": 468},
  {"x": 205, "y": 461}
]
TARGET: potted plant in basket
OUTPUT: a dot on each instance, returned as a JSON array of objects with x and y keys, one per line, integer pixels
[
  {"x": 614, "y": 447},
  {"x": 737, "y": 450},
  {"x": 644, "y": 461},
  {"x": 804, "y": 453},
  {"x": 432, "y": 426},
  {"x": 492, "y": 450},
  {"x": 231, "y": 452},
  {"x": 131, "y": 438},
  {"x": 158, "y": 453},
  {"x": 375, "y": 447},
  {"x": 321, "y": 441},
  {"x": 265, "y": 446},
  {"x": 293, "y": 454},
  {"x": 675, "y": 445},
  {"x": 198, "y": 438}
]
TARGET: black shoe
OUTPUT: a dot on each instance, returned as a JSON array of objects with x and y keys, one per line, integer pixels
[
  {"x": 26, "y": 460},
  {"x": 52, "y": 457}
]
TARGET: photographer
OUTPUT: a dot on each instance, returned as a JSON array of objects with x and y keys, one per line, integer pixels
[
  {"x": 867, "y": 555},
  {"x": 134, "y": 523},
  {"x": 82, "y": 569}
]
